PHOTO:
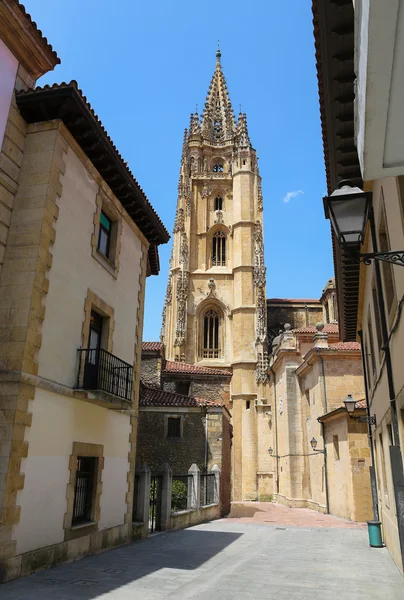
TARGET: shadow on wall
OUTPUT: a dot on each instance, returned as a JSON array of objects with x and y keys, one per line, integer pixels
[{"x": 94, "y": 576}]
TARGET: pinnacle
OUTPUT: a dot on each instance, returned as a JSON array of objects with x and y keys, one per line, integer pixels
[{"x": 218, "y": 119}]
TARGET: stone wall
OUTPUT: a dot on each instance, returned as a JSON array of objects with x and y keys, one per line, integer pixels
[
  {"x": 297, "y": 315},
  {"x": 155, "y": 449},
  {"x": 150, "y": 370}
]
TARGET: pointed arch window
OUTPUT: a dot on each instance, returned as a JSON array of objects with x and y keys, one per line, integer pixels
[
  {"x": 211, "y": 335},
  {"x": 218, "y": 203},
  {"x": 219, "y": 249},
  {"x": 218, "y": 168}
]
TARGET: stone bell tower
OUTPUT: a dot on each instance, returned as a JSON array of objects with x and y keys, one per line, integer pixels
[{"x": 215, "y": 307}]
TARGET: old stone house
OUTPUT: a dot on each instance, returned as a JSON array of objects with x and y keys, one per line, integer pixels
[
  {"x": 78, "y": 239},
  {"x": 320, "y": 457}
]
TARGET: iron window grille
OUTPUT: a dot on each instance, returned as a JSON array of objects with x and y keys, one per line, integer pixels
[
  {"x": 101, "y": 370},
  {"x": 219, "y": 249},
  {"x": 211, "y": 332},
  {"x": 207, "y": 489},
  {"x": 83, "y": 490}
]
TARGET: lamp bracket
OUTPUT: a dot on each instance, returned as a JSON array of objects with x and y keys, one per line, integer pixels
[
  {"x": 395, "y": 257},
  {"x": 371, "y": 420}
]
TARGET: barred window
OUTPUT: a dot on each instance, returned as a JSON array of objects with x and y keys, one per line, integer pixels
[
  {"x": 83, "y": 491},
  {"x": 219, "y": 249},
  {"x": 211, "y": 335},
  {"x": 218, "y": 203}
]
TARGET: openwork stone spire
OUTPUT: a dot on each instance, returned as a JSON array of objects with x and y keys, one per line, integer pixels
[
  {"x": 218, "y": 118},
  {"x": 242, "y": 137}
]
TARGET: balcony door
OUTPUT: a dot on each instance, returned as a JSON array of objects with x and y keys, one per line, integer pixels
[{"x": 93, "y": 352}]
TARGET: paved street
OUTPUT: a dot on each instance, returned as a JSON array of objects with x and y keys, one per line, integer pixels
[{"x": 231, "y": 559}]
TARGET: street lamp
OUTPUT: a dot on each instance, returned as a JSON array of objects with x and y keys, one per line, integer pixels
[
  {"x": 313, "y": 444},
  {"x": 350, "y": 405},
  {"x": 349, "y": 208}
]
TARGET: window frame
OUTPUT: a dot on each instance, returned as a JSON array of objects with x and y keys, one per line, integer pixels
[
  {"x": 105, "y": 206},
  {"x": 85, "y": 464},
  {"x": 172, "y": 418},
  {"x": 107, "y": 231},
  {"x": 218, "y": 203},
  {"x": 218, "y": 249}
]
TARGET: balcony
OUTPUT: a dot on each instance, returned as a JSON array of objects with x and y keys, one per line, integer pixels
[{"x": 106, "y": 375}]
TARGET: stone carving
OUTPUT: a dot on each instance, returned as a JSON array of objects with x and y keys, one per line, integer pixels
[
  {"x": 181, "y": 297},
  {"x": 259, "y": 272},
  {"x": 179, "y": 224},
  {"x": 184, "y": 248},
  {"x": 205, "y": 190},
  {"x": 211, "y": 286},
  {"x": 169, "y": 291},
  {"x": 261, "y": 375},
  {"x": 163, "y": 324},
  {"x": 261, "y": 324},
  {"x": 219, "y": 216},
  {"x": 280, "y": 405},
  {"x": 260, "y": 199}
]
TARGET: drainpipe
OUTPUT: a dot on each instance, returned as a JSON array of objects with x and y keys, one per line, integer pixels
[
  {"x": 373, "y": 485},
  {"x": 276, "y": 433},
  {"x": 327, "y": 501},
  {"x": 206, "y": 440}
]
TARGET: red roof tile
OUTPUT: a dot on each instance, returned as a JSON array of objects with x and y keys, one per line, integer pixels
[
  {"x": 180, "y": 367},
  {"x": 154, "y": 397},
  {"x": 294, "y": 300},
  {"x": 360, "y": 404},
  {"x": 37, "y": 30},
  {"x": 329, "y": 328},
  {"x": 151, "y": 346},
  {"x": 345, "y": 346}
]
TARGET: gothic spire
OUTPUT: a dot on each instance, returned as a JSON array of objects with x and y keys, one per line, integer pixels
[
  {"x": 242, "y": 137},
  {"x": 218, "y": 118}
]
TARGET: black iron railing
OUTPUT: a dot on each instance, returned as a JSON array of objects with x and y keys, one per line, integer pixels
[
  {"x": 207, "y": 489},
  {"x": 101, "y": 370}
]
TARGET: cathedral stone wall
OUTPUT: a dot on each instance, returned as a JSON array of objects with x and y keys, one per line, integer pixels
[
  {"x": 211, "y": 390},
  {"x": 298, "y": 315}
]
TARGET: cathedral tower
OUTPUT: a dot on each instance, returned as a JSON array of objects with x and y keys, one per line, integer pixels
[{"x": 215, "y": 306}]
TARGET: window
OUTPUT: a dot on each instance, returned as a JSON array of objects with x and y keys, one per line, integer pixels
[
  {"x": 247, "y": 405},
  {"x": 377, "y": 318},
  {"x": 336, "y": 446},
  {"x": 182, "y": 387},
  {"x": 95, "y": 336},
  {"x": 174, "y": 427},
  {"x": 390, "y": 433},
  {"x": 371, "y": 347},
  {"x": 218, "y": 203},
  {"x": 327, "y": 313},
  {"x": 84, "y": 489},
  {"x": 383, "y": 461},
  {"x": 218, "y": 168},
  {"x": 219, "y": 249},
  {"x": 104, "y": 235},
  {"x": 211, "y": 331},
  {"x": 387, "y": 268}
]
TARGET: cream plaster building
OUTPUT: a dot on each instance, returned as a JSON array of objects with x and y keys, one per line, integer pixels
[
  {"x": 215, "y": 306},
  {"x": 78, "y": 238},
  {"x": 363, "y": 132}
]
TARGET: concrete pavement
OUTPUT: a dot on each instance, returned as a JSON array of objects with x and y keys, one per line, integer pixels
[{"x": 226, "y": 560}]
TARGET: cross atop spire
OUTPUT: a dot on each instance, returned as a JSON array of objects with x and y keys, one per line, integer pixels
[{"x": 218, "y": 119}]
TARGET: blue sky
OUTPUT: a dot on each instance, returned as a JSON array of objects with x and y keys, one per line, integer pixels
[{"x": 144, "y": 65}]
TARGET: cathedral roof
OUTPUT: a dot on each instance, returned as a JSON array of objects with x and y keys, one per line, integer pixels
[
  {"x": 180, "y": 367},
  {"x": 218, "y": 123},
  {"x": 156, "y": 397}
]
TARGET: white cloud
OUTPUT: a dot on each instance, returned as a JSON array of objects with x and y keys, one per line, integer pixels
[{"x": 288, "y": 197}]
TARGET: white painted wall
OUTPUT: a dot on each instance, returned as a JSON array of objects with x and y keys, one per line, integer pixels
[
  {"x": 74, "y": 271},
  {"x": 57, "y": 422},
  {"x": 8, "y": 72}
]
